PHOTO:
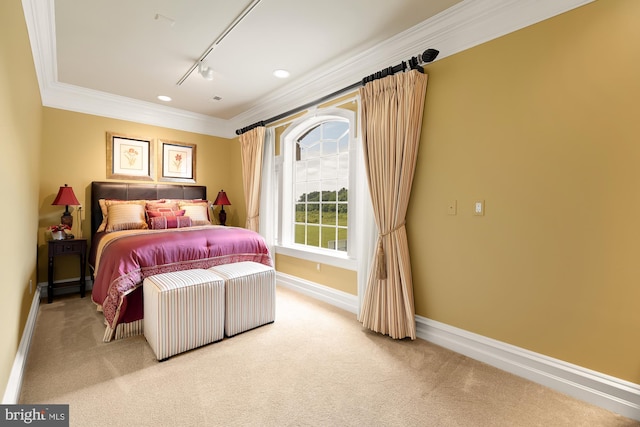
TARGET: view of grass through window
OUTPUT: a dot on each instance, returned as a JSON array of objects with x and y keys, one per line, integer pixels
[{"x": 322, "y": 186}]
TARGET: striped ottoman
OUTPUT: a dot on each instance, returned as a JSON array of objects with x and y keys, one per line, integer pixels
[
  {"x": 183, "y": 310},
  {"x": 250, "y": 295}
]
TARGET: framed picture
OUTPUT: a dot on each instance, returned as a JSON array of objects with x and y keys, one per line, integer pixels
[
  {"x": 129, "y": 157},
  {"x": 178, "y": 161}
]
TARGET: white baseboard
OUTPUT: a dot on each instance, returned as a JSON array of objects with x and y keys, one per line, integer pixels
[
  {"x": 602, "y": 390},
  {"x": 613, "y": 394},
  {"x": 14, "y": 385},
  {"x": 331, "y": 296}
]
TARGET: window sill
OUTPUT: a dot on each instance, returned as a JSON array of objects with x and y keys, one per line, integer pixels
[{"x": 338, "y": 260}]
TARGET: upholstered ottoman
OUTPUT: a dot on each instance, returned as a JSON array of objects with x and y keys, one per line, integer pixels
[
  {"x": 250, "y": 295},
  {"x": 183, "y": 310}
]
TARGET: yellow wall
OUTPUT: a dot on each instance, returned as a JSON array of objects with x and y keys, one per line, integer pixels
[
  {"x": 543, "y": 124},
  {"x": 20, "y": 121},
  {"x": 327, "y": 275},
  {"x": 74, "y": 153}
]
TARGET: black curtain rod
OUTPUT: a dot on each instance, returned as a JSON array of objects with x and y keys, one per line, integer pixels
[{"x": 414, "y": 63}]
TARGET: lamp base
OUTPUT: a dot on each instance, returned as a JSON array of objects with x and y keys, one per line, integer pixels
[
  {"x": 67, "y": 219},
  {"x": 222, "y": 216}
]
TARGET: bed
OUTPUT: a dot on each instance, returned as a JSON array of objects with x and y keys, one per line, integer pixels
[{"x": 122, "y": 256}]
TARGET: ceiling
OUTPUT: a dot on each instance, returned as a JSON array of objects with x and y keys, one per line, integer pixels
[
  {"x": 114, "y": 57},
  {"x": 140, "y": 49}
]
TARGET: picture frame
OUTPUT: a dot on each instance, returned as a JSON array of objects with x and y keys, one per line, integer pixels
[
  {"x": 130, "y": 157},
  {"x": 177, "y": 161}
]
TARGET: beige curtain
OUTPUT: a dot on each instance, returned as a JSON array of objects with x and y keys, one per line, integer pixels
[
  {"x": 392, "y": 110},
  {"x": 252, "y": 143}
]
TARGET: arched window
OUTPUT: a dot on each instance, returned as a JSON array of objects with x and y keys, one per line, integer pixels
[{"x": 318, "y": 184}]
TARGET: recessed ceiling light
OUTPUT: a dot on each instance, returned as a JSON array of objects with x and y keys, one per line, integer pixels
[
  {"x": 164, "y": 98},
  {"x": 281, "y": 74}
]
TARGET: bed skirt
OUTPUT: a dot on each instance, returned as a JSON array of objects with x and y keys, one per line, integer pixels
[{"x": 124, "y": 330}]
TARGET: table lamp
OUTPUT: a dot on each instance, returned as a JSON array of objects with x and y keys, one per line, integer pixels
[
  {"x": 223, "y": 201},
  {"x": 66, "y": 197}
]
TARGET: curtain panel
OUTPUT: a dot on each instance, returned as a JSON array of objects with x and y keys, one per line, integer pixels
[
  {"x": 391, "y": 118},
  {"x": 252, "y": 145}
]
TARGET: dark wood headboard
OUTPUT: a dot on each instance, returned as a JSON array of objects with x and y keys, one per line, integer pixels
[{"x": 138, "y": 191}]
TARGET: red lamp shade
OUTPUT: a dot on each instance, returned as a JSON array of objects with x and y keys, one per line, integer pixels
[
  {"x": 65, "y": 198},
  {"x": 222, "y": 200}
]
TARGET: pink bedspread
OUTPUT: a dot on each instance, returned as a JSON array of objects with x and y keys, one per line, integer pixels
[{"x": 126, "y": 260}]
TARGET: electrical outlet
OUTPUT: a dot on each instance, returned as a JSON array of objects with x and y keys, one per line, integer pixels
[
  {"x": 318, "y": 266},
  {"x": 478, "y": 207}
]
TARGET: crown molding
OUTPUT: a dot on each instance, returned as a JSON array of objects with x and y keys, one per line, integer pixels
[
  {"x": 88, "y": 101},
  {"x": 463, "y": 26}
]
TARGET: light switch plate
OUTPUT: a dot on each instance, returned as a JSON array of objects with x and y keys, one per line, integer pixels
[{"x": 478, "y": 207}]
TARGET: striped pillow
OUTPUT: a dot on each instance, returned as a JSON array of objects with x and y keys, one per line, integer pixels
[
  {"x": 125, "y": 216},
  {"x": 164, "y": 222},
  {"x": 104, "y": 207}
]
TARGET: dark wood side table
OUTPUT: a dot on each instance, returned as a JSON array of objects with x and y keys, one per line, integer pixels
[{"x": 67, "y": 247}]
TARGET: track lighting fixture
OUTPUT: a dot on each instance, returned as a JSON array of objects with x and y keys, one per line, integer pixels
[{"x": 205, "y": 71}]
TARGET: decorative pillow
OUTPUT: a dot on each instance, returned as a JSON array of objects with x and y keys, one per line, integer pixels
[
  {"x": 155, "y": 214},
  {"x": 105, "y": 203},
  {"x": 125, "y": 216},
  {"x": 162, "y": 212},
  {"x": 197, "y": 211},
  {"x": 164, "y": 222},
  {"x": 161, "y": 205}
]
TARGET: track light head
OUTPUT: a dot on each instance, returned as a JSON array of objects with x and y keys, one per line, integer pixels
[
  {"x": 429, "y": 55},
  {"x": 205, "y": 71}
]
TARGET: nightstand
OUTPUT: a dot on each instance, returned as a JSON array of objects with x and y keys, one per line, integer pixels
[{"x": 67, "y": 247}]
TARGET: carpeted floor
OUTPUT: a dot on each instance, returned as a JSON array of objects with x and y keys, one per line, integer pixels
[{"x": 315, "y": 366}]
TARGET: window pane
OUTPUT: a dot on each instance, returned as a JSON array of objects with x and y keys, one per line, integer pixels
[
  {"x": 343, "y": 143},
  {"x": 313, "y": 170},
  {"x": 329, "y": 193},
  {"x": 300, "y": 195},
  {"x": 329, "y": 214},
  {"x": 313, "y": 235},
  {"x": 311, "y": 136},
  {"x": 313, "y": 213},
  {"x": 343, "y": 166},
  {"x": 299, "y": 238},
  {"x": 300, "y": 213},
  {"x": 312, "y": 151},
  {"x": 342, "y": 214},
  {"x": 301, "y": 171},
  {"x": 334, "y": 129},
  {"x": 328, "y": 237},
  {"x": 342, "y": 239},
  {"x": 329, "y": 148},
  {"x": 313, "y": 191},
  {"x": 329, "y": 167},
  {"x": 343, "y": 193}
]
